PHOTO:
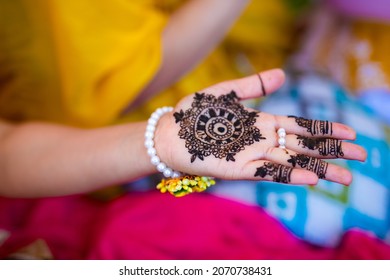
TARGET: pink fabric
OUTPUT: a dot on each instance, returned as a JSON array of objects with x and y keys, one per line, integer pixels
[
  {"x": 154, "y": 226},
  {"x": 66, "y": 224},
  {"x": 377, "y": 10}
]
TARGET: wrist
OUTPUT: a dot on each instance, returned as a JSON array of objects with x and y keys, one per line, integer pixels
[
  {"x": 176, "y": 183},
  {"x": 153, "y": 129}
]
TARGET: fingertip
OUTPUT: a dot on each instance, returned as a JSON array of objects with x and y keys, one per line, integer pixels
[
  {"x": 363, "y": 154},
  {"x": 273, "y": 79},
  {"x": 347, "y": 179},
  {"x": 354, "y": 152},
  {"x": 342, "y": 176},
  {"x": 346, "y": 132},
  {"x": 352, "y": 134}
]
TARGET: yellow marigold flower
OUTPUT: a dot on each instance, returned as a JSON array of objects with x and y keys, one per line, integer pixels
[
  {"x": 184, "y": 185},
  {"x": 186, "y": 181}
]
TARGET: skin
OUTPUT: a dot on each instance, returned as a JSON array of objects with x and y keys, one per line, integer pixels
[{"x": 58, "y": 160}]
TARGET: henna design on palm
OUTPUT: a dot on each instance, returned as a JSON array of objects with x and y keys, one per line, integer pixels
[{"x": 217, "y": 126}]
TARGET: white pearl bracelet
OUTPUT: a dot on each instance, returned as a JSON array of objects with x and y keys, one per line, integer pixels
[
  {"x": 149, "y": 143},
  {"x": 282, "y": 138}
]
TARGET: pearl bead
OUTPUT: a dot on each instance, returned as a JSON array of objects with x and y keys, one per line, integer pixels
[
  {"x": 166, "y": 109},
  {"x": 149, "y": 143},
  {"x": 282, "y": 141},
  {"x": 155, "y": 160},
  {"x": 161, "y": 167},
  {"x": 280, "y": 130},
  {"x": 150, "y": 128},
  {"x": 155, "y": 116},
  {"x": 152, "y": 121},
  {"x": 149, "y": 135},
  {"x": 167, "y": 172},
  {"x": 151, "y": 151},
  {"x": 282, "y": 133}
]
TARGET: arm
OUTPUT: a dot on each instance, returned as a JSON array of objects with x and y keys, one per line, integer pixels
[
  {"x": 191, "y": 33},
  {"x": 38, "y": 159}
]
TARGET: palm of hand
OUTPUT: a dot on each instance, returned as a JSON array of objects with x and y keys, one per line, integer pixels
[{"x": 212, "y": 134}]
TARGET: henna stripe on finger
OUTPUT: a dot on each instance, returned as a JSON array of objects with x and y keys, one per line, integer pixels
[
  {"x": 280, "y": 173},
  {"x": 218, "y": 126},
  {"x": 262, "y": 85},
  {"x": 315, "y": 127},
  {"x": 315, "y": 165},
  {"x": 325, "y": 146}
]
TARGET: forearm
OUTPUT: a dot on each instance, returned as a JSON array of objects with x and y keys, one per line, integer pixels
[
  {"x": 194, "y": 30},
  {"x": 38, "y": 159},
  {"x": 191, "y": 33}
]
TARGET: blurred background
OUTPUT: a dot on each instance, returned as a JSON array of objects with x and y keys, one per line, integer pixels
[{"x": 335, "y": 54}]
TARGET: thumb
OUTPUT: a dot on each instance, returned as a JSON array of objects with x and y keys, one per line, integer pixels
[{"x": 253, "y": 86}]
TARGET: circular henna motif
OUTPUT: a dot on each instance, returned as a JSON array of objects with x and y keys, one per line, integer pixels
[{"x": 218, "y": 126}]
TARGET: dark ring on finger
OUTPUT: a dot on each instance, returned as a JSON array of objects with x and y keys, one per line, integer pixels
[{"x": 262, "y": 85}]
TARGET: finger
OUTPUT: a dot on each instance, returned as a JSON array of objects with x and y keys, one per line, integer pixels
[
  {"x": 253, "y": 86},
  {"x": 325, "y": 147},
  {"x": 316, "y": 128},
  {"x": 321, "y": 168},
  {"x": 270, "y": 171}
]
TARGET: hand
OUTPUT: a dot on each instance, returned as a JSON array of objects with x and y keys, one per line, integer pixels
[{"x": 210, "y": 133}]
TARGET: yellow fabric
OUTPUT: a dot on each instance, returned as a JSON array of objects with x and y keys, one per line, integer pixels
[
  {"x": 83, "y": 62},
  {"x": 261, "y": 39},
  {"x": 361, "y": 62},
  {"x": 75, "y": 62},
  {"x": 265, "y": 30},
  {"x": 376, "y": 36}
]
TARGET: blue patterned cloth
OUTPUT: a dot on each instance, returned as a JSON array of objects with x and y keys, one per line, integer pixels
[{"x": 322, "y": 214}]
